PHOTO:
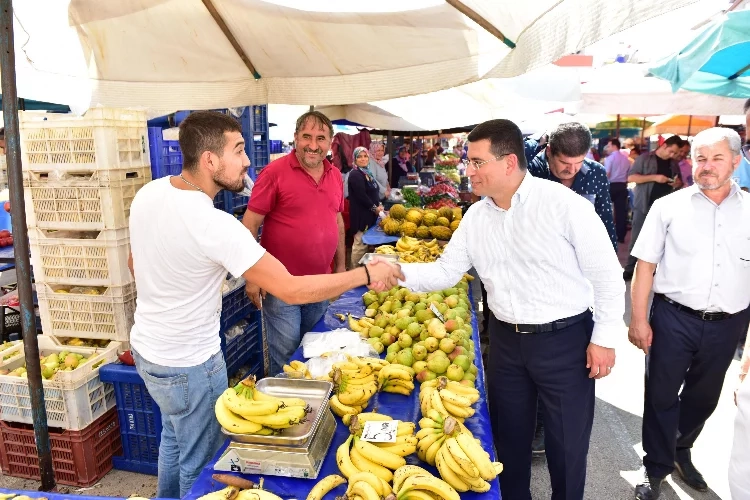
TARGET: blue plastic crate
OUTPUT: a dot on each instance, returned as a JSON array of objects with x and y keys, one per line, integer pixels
[
  {"x": 275, "y": 146},
  {"x": 259, "y": 118},
  {"x": 166, "y": 157},
  {"x": 140, "y": 420},
  {"x": 246, "y": 348},
  {"x": 233, "y": 201},
  {"x": 235, "y": 306}
]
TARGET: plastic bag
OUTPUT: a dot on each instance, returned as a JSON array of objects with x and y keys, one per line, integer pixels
[
  {"x": 249, "y": 184},
  {"x": 316, "y": 344},
  {"x": 235, "y": 331}
]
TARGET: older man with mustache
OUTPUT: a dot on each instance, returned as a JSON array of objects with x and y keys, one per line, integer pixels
[{"x": 298, "y": 199}]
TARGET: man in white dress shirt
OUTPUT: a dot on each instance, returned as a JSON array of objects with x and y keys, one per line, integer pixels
[
  {"x": 700, "y": 239},
  {"x": 546, "y": 259}
]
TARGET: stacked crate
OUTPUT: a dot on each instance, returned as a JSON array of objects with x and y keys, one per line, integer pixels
[{"x": 80, "y": 175}]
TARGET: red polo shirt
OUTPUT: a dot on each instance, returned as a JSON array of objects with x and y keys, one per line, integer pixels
[{"x": 300, "y": 226}]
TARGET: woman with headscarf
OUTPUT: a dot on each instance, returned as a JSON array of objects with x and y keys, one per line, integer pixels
[
  {"x": 378, "y": 159},
  {"x": 364, "y": 202},
  {"x": 400, "y": 166}
]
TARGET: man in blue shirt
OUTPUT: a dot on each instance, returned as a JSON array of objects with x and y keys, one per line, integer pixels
[{"x": 564, "y": 161}]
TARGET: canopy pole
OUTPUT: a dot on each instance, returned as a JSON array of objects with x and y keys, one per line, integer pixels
[
  {"x": 617, "y": 132},
  {"x": 390, "y": 155},
  {"x": 230, "y": 37},
  {"x": 643, "y": 130},
  {"x": 474, "y": 16},
  {"x": 21, "y": 245},
  {"x": 716, "y": 122},
  {"x": 690, "y": 124}
]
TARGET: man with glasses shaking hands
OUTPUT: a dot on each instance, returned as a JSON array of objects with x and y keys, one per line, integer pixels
[{"x": 546, "y": 260}]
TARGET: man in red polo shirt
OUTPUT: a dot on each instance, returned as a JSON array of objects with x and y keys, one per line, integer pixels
[{"x": 299, "y": 199}]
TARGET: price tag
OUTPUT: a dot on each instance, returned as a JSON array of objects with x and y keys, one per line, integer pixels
[
  {"x": 380, "y": 431},
  {"x": 434, "y": 309}
]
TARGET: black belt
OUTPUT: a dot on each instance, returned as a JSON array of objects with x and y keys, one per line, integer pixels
[
  {"x": 547, "y": 327},
  {"x": 704, "y": 315}
]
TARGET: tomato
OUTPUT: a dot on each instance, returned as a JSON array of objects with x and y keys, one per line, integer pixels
[{"x": 4, "y": 233}]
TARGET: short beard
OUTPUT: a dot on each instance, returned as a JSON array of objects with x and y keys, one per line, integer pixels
[
  {"x": 714, "y": 185},
  {"x": 223, "y": 183},
  {"x": 303, "y": 160}
]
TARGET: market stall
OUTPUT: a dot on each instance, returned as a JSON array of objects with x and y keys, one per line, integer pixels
[{"x": 404, "y": 408}]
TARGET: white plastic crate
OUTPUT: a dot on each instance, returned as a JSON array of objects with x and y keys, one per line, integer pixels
[
  {"x": 102, "y": 139},
  {"x": 84, "y": 258},
  {"x": 105, "y": 316},
  {"x": 73, "y": 399},
  {"x": 9, "y": 351},
  {"x": 84, "y": 202}
]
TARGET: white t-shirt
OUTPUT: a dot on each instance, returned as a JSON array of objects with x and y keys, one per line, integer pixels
[{"x": 182, "y": 249}]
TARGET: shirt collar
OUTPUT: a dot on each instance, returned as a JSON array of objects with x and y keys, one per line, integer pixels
[
  {"x": 696, "y": 190},
  {"x": 521, "y": 194}
]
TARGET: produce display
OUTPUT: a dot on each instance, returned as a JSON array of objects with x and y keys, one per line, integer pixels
[
  {"x": 76, "y": 342},
  {"x": 235, "y": 493},
  {"x": 6, "y": 239},
  {"x": 7, "y": 345},
  {"x": 246, "y": 410},
  {"x": 297, "y": 369},
  {"x": 411, "y": 249},
  {"x": 422, "y": 223},
  {"x": 83, "y": 290},
  {"x": 53, "y": 363}
]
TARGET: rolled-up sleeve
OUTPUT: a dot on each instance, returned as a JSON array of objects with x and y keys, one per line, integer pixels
[{"x": 599, "y": 264}]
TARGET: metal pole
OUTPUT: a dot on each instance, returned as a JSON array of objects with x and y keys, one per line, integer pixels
[
  {"x": 21, "y": 244},
  {"x": 617, "y": 132},
  {"x": 390, "y": 156},
  {"x": 643, "y": 130},
  {"x": 690, "y": 124}
]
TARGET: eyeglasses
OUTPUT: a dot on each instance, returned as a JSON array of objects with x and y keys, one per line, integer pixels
[
  {"x": 746, "y": 151},
  {"x": 478, "y": 164}
]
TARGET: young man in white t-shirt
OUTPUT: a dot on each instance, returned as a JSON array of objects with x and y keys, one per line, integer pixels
[{"x": 182, "y": 248}]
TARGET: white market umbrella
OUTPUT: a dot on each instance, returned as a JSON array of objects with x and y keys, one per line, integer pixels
[{"x": 201, "y": 54}]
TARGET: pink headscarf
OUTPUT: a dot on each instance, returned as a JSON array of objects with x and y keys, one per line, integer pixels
[{"x": 374, "y": 145}]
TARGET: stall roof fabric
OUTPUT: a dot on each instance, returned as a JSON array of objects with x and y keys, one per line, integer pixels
[{"x": 172, "y": 54}]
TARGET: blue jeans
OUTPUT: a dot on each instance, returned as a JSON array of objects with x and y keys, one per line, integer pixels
[
  {"x": 190, "y": 434},
  {"x": 285, "y": 325}
]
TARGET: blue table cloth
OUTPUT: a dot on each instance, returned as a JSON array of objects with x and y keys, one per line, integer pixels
[
  {"x": 53, "y": 496},
  {"x": 405, "y": 408},
  {"x": 375, "y": 236}
]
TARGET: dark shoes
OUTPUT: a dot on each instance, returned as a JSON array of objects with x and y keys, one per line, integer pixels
[
  {"x": 537, "y": 445},
  {"x": 649, "y": 488},
  {"x": 690, "y": 474}
]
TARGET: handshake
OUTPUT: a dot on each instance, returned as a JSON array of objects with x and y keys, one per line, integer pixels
[{"x": 384, "y": 274}]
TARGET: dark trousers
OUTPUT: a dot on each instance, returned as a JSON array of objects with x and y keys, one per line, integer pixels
[
  {"x": 552, "y": 366},
  {"x": 684, "y": 350},
  {"x": 635, "y": 229},
  {"x": 618, "y": 191}
]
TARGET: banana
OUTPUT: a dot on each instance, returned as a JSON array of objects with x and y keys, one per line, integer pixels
[
  {"x": 387, "y": 490},
  {"x": 247, "y": 407},
  {"x": 430, "y": 483},
  {"x": 298, "y": 365},
  {"x": 429, "y": 431},
  {"x": 406, "y": 429},
  {"x": 478, "y": 456},
  {"x": 346, "y": 365},
  {"x": 458, "y": 411},
  {"x": 406, "y": 384},
  {"x": 468, "y": 392},
  {"x": 358, "y": 395},
  {"x": 400, "y": 474},
  {"x": 402, "y": 450},
  {"x": 396, "y": 371},
  {"x": 280, "y": 420},
  {"x": 428, "y": 423},
  {"x": 343, "y": 460},
  {"x": 232, "y": 422},
  {"x": 256, "y": 495},
  {"x": 378, "y": 455},
  {"x": 437, "y": 403},
  {"x": 266, "y": 431},
  {"x": 430, "y": 383},
  {"x": 427, "y": 441},
  {"x": 425, "y": 400},
  {"x": 324, "y": 486},
  {"x": 477, "y": 484},
  {"x": 397, "y": 390},
  {"x": 436, "y": 416},
  {"x": 498, "y": 467},
  {"x": 454, "y": 399},
  {"x": 448, "y": 474},
  {"x": 365, "y": 490},
  {"x": 341, "y": 409},
  {"x": 433, "y": 450},
  {"x": 262, "y": 396},
  {"x": 372, "y": 416},
  {"x": 349, "y": 382},
  {"x": 292, "y": 372},
  {"x": 353, "y": 324},
  {"x": 363, "y": 464},
  {"x": 359, "y": 372},
  {"x": 362, "y": 361},
  {"x": 228, "y": 493},
  {"x": 367, "y": 477},
  {"x": 455, "y": 451},
  {"x": 418, "y": 495}
]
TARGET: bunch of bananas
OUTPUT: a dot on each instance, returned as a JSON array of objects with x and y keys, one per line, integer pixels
[
  {"x": 411, "y": 249},
  {"x": 355, "y": 455},
  {"x": 412, "y": 481},
  {"x": 406, "y": 441},
  {"x": 449, "y": 398},
  {"x": 396, "y": 379},
  {"x": 234, "y": 493},
  {"x": 297, "y": 369},
  {"x": 355, "y": 382},
  {"x": 460, "y": 459},
  {"x": 246, "y": 410}
]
